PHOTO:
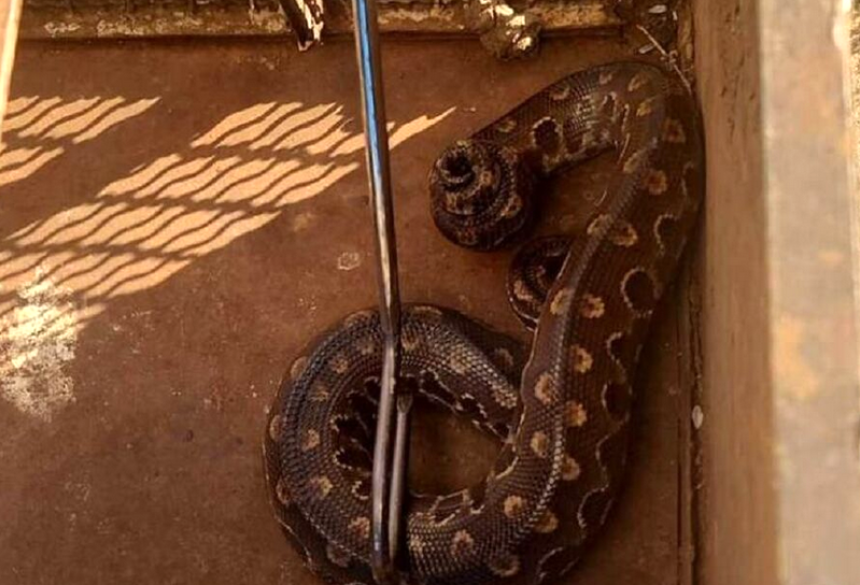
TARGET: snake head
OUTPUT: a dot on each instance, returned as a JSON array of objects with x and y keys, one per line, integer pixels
[{"x": 480, "y": 194}]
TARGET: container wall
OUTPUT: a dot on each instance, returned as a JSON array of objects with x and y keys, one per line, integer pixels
[
  {"x": 780, "y": 495},
  {"x": 737, "y": 514}
]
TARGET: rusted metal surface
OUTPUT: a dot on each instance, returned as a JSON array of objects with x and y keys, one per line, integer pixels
[
  {"x": 781, "y": 482},
  {"x": 9, "y": 18}
]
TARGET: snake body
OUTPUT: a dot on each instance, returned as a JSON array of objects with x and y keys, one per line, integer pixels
[{"x": 561, "y": 411}]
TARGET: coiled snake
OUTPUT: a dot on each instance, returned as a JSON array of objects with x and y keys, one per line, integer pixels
[{"x": 561, "y": 412}]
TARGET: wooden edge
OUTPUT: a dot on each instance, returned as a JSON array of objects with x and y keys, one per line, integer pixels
[
  {"x": 689, "y": 413},
  {"x": 10, "y": 12},
  {"x": 437, "y": 19}
]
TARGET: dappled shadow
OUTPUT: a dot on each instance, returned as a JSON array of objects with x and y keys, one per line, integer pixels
[
  {"x": 142, "y": 228},
  {"x": 36, "y": 130},
  {"x": 106, "y": 196}
]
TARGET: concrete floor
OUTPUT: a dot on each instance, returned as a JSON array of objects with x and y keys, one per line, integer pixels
[{"x": 178, "y": 220}]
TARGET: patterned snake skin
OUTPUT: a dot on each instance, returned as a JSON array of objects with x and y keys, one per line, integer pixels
[{"x": 561, "y": 412}]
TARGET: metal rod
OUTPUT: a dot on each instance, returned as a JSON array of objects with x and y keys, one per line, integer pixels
[
  {"x": 389, "y": 458},
  {"x": 398, "y": 472}
]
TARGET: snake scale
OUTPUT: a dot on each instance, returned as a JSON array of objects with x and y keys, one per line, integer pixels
[{"x": 561, "y": 411}]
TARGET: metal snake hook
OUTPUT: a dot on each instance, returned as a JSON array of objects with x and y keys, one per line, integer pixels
[{"x": 389, "y": 458}]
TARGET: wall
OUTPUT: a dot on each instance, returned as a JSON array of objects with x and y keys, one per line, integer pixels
[{"x": 780, "y": 495}]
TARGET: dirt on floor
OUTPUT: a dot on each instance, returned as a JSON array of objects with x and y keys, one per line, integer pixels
[{"x": 178, "y": 220}]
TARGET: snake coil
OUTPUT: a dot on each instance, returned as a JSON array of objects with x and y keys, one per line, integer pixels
[{"x": 562, "y": 411}]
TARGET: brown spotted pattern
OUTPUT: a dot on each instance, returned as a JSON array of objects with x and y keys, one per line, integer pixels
[{"x": 561, "y": 410}]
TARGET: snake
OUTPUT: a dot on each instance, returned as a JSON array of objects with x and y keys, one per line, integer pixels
[{"x": 559, "y": 409}]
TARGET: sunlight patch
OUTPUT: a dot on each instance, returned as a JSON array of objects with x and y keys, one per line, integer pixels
[
  {"x": 37, "y": 342},
  {"x": 237, "y": 176},
  {"x": 42, "y": 129}
]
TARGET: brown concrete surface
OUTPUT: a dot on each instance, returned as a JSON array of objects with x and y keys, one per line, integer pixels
[{"x": 177, "y": 220}]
